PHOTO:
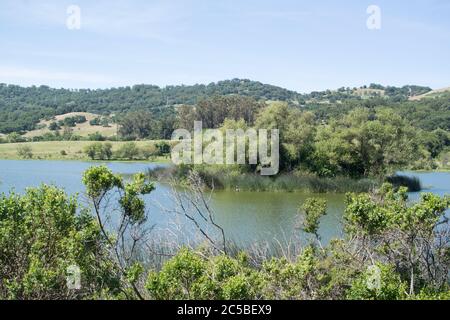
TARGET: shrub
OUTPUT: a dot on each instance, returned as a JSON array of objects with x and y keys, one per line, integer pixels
[
  {"x": 95, "y": 122},
  {"x": 163, "y": 148},
  {"x": 42, "y": 236},
  {"x": 54, "y": 126},
  {"x": 96, "y": 137},
  {"x": 379, "y": 282},
  {"x": 15, "y": 138},
  {"x": 25, "y": 152},
  {"x": 128, "y": 151},
  {"x": 99, "y": 151}
]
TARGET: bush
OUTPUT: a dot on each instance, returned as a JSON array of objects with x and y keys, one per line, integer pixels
[
  {"x": 25, "y": 152},
  {"x": 163, "y": 148},
  {"x": 15, "y": 138},
  {"x": 95, "y": 122},
  {"x": 99, "y": 151},
  {"x": 189, "y": 276},
  {"x": 128, "y": 151},
  {"x": 54, "y": 126},
  {"x": 42, "y": 236},
  {"x": 379, "y": 282},
  {"x": 96, "y": 137}
]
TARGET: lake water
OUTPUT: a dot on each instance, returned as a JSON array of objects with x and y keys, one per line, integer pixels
[{"x": 246, "y": 217}]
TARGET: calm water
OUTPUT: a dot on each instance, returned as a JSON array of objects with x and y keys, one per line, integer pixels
[{"x": 246, "y": 217}]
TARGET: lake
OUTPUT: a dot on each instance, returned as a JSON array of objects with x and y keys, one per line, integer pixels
[{"x": 246, "y": 217}]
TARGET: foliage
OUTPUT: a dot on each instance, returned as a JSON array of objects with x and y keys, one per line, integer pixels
[
  {"x": 41, "y": 236},
  {"x": 392, "y": 250},
  {"x": 385, "y": 235},
  {"x": 415, "y": 237},
  {"x": 128, "y": 151},
  {"x": 380, "y": 282},
  {"x": 313, "y": 209},
  {"x": 24, "y": 152},
  {"x": 99, "y": 151},
  {"x": 237, "y": 178},
  {"x": 189, "y": 276},
  {"x": 138, "y": 125}
]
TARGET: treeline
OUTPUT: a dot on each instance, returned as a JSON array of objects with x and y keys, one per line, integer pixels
[
  {"x": 22, "y": 108},
  {"x": 361, "y": 141},
  {"x": 128, "y": 151}
]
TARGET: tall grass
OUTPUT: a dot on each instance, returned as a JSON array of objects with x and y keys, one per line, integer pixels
[{"x": 221, "y": 179}]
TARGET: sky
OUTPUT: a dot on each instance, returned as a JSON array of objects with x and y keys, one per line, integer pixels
[{"x": 295, "y": 44}]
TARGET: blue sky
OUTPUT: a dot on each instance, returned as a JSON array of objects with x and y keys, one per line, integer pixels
[{"x": 299, "y": 45}]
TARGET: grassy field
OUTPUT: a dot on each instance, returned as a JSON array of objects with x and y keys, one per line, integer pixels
[
  {"x": 81, "y": 129},
  {"x": 53, "y": 150}
]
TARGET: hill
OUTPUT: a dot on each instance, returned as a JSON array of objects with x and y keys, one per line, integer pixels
[
  {"x": 80, "y": 129},
  {"x": 29, "y": 110},
  {"x": 21, "y": 109},
  {"x": 431, "y": 94}
]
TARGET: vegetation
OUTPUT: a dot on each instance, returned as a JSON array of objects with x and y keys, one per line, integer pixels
[
  {"x": 236, "y": 179},
  {"x": 24, "y": 152},
  {"x": 99, "y": 151},
  {"x": 76, "y": 150},
  {"x": 363, "y": 146},
  {"x": 21, "y": 109},
  {"x": 392, "y": 250},
  {"x": 355, "y": 135}
]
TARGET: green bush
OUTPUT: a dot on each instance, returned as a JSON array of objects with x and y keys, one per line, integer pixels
[
  {"x": 99, "y": 151},
  {"x": 25, "y": 152},
  {"x": 41, "y": 236},
  {"x": 128, "y": 151},
  {"x": 380, "y": 282}
]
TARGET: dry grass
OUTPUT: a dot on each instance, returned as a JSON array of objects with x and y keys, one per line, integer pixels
[
  {"x": 81, "y": 129},
  {"x": 52, "y": 150}
]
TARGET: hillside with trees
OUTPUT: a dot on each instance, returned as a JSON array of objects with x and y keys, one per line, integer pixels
[{"x": 22, "y": 109}]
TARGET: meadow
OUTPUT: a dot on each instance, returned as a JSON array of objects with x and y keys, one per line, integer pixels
[{"x": 61, "y": 150}]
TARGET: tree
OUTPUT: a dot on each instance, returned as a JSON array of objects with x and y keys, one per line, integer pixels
[
  {"x": 384, "y": 227},
  {"x": 15, "y": 138},
  {"x": 54, "y": 126},
  {"x": 67, "y": 133},
  {"x": 215, "y": 110},
  {"x": 163, "y": 148},
  {"x": 138, "y": 125},
  {"x": 97, "y": 136},
  {"x": 128, "y": 151},
  {"x": 100, "y": 182},
  {"x": 99, "y": 151},
  {"x": 363, "y": 144},
  {"x": 297, "y": 131},
  {"x": 312, "y": 210},
  {"x": 95, "y": 121}
]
